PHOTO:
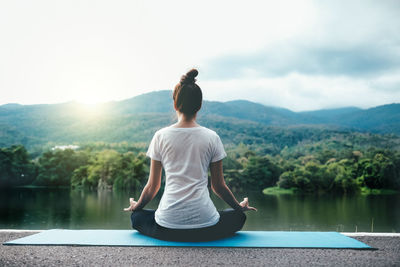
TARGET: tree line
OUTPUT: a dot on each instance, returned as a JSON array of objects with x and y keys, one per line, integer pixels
[
  {"x": 316, "y": 169},
  {"x": 83, "y": 168}
]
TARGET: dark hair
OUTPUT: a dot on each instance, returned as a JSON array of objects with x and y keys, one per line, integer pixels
[{"x": 187, "y": 94}]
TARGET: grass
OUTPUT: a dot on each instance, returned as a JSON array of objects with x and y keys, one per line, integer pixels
[
  {"x": 278, "y": 191},
  {"x": 368, "y": 191},
  {"x": 43, "y": 186}
]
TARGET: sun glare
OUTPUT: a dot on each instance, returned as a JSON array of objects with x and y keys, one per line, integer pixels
[
  {"x": 89, "y": 106},
  {"x": 88, "y": 101}
]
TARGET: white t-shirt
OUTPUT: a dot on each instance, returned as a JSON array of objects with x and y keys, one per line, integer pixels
[{"x": 186, "y": 154}]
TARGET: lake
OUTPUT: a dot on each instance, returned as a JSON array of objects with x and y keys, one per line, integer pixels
[{"x": 45, "y": 208}]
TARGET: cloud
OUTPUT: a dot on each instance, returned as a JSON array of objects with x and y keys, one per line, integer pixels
[
  {"x": 283, "y": 59},
  {"x": 348, "y": 56},
  {"x": 389, "y": 82},
  {"x": 293, "y": 53},
  {"x": 351, "y": 38},
  {"x": 300, "y": 92}
]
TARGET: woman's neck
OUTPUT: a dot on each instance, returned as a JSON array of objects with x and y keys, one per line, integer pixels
[{"x": 185, "y": 121}]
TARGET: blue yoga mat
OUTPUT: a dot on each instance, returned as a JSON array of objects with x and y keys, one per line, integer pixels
[{"x": 259, "y": 239}]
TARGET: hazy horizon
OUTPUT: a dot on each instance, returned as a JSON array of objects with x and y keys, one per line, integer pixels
[
  {"x": 105, "y": 102},
  {"x": 300, "y": 55}
]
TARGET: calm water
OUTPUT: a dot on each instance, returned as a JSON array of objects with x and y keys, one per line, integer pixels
[{"x": 64, "y": 208}]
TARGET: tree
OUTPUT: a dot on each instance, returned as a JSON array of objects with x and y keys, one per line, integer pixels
[
  {"x": 378, "y": 172},
  {"x": 260, "y": 172},
  {"x": 16, "y": 167},
  {"x": 132, "y": 173},
  {"x": 110, "y": 169},
  {"x": 342, "y": 173},
  {"x": 56, "y": 167}
]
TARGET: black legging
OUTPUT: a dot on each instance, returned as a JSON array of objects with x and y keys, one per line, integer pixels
[{"x": 230, "y": 221}]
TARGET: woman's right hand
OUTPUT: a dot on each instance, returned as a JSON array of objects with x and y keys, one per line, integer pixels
[
  {"x": 245, "y": 205},
  {"x": 132, "y": 206}
]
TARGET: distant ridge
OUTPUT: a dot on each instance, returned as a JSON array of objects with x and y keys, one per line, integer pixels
[
  {"x": 138, "y": 117},
  {"x": 153, "y": 102}
]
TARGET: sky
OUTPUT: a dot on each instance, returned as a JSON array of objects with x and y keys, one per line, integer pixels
[{"x": 300, "y": 55}]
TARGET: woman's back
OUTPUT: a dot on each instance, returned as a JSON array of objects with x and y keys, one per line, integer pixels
[
  {"x": 186, "y": 150},
  {"x": 186, "y": 154}
]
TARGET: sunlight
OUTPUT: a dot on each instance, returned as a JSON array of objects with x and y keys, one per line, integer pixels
[
  {"x": 89, "y": 106},
  {"x": 88, "y": 101}
]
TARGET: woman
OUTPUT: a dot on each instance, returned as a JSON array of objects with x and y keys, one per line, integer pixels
[{"x": 186, "y": 150}]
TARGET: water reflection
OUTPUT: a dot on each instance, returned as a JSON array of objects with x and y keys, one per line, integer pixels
[
  {"x": 74, "y": 209},
  {"x": 326, "y": 213}
]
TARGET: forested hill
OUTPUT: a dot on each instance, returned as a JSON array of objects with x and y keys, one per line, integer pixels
[
  {"x": 136, "y": 119},
  {"x": 380, "y": 119}
]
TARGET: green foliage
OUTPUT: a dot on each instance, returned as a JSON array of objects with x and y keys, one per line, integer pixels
[
  {"x": 80, "y": 177},
  {"x": 333, "y": 165},
  {"x": 16, "y": 168},
  {"x": 314, "y": 177},
  {"x": 260, "y": 172},
  {"x": 368, "y": 191},
  {"x": 90, "y": 167},
  {"x": 110, "y": 169},
  {"x": 379, "y": 169},
  {"x": 132, "y": 171},
  {"x": 56, "y": 167},
  {"x": 276, "y": 190}
]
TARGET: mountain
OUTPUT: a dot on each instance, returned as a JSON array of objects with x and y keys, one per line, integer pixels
[
  {"x": 153, "y": 102},
  {"x": 381, "y": 119},
  {"x": 327, "y": 115},
  {"x": 137, "y": 118},
  {"x": 247, "y": 110}
]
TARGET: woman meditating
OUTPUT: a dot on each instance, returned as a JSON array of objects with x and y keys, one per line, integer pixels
[{"x": 186, "y": 151}]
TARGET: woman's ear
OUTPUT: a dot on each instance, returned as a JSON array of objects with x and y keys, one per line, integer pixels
[{"x": 175, "y": 107}]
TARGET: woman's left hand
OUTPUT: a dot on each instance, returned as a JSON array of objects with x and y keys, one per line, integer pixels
[
  {"x": 132, "y": 205},
  {"x": 245, "y": 205}
]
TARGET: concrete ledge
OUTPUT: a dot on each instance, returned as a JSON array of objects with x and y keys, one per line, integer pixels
[
  {"x": 372, "y": 234},
  {"x": 19, "y": 231}
]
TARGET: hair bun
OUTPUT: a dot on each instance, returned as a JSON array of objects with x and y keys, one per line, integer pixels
[{"x": 189, "y": 77}]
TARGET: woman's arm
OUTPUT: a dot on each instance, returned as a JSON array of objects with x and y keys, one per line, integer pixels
[
  {"x": 220, "y": 188},
  {"x": 151, "y": 188}
]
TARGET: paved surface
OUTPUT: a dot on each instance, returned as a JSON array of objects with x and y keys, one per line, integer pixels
[{"x": 388, "y": 254}]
